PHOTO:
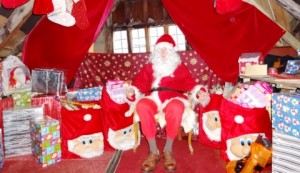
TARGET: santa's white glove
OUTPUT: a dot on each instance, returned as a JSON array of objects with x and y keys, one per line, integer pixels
[
  {"x": 203, "y": 96},
  {"x": 130, "y": 94}
]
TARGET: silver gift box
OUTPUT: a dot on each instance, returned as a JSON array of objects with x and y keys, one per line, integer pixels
[{"x": 48, "y": 81}]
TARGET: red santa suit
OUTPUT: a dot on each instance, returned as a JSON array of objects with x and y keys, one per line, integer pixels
[
  {"x": 174, "y": 86},
  {"x": 166, "y": 98}
]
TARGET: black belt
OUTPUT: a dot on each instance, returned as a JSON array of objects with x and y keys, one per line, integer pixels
[{"x": 165, "y": 89}]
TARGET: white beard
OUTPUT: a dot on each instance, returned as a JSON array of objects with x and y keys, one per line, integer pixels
[
  {"x": 93, "y": 146},
  {"x": 122, "y": 141},
  {"x": 166, "y": 68}
]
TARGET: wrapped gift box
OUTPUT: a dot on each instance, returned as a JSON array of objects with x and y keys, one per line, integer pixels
[
  {"x": 116, "y": 91},
  {"x": 292, "y": 67},
  {"x": 285, "y": 113},
  {"x": 48, "y": 81},
  {"x": 1, "y": 150},
  {"x": 16, "y": 129},
  {"x": 52, "y": 107},
  {"x": 5, "y": 103},
  {"x": 45, "y": 140},
  {"x": 22, "y": 99},
  {"x": 248, "y": 59},
  {"x": 89, "y": 94},
  {"x": 285, "y": 153}
]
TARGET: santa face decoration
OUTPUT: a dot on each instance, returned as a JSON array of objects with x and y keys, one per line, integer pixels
[
  {"x": 212, "y": 125},
  {"x": 123, "y": 139},
  {"x": 239, "y": 147},
  {"x": 87, "y": 146}
]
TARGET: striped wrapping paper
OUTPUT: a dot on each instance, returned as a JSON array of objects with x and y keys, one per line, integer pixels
[{"x": 16, "y": 129}]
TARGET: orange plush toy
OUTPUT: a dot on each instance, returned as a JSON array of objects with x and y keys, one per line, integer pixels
[{"x": 260, "y": 156}]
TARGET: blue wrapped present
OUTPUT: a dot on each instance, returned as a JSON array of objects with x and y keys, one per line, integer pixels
[
  {"x": 89, "y": 94},
  {"x": 285, "y": 113},
  {"x": 292, "y": 67}
]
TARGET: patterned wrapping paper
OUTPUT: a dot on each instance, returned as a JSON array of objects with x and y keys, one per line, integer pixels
[
  {"x": 285, "y": 113},
  {"x": 22, "y": 99},
  {"x": 285, "y": 153},
  {"x": 292, "y": 67},
  {"x": 17, "y": 129},
  {"x": 45, "y": 140},
  {"x": 89, "y": 94},
  {"x": 48, "y": 81},
  {"x": 52, "y": 107},
  {"x": 97, "y": 68}
]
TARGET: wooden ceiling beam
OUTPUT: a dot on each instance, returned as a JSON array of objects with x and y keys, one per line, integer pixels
[
  {"x": 288, "y": 37},
  {"x": 15, "y": 21},
  {"x": 291, "y": 6}
]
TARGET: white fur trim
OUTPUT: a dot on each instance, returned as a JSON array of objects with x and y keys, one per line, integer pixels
[
  {"x": 164, "y": 44},
  {"x": 189, "y": 119}
]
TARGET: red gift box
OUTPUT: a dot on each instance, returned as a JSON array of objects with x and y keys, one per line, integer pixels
[
  {"x": 5, "y": 103},
  {"x": 52, "y": 107}
]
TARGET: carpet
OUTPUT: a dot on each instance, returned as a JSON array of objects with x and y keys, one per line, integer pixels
[
  {"x": 204, "y": 159},
  {"x": 27, "y": 164}
]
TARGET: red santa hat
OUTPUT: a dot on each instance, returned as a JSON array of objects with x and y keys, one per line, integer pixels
[
  {"x": 14, "y": 73},
  {"x": 167, "y": 39},
  {"x": 238, "y": 121}
]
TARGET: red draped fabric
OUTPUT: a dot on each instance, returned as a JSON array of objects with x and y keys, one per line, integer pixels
[
  {"x": 50, "y": 45},
  {"x": 220, "y": 39},
  {"x": 97, "y": 68}
]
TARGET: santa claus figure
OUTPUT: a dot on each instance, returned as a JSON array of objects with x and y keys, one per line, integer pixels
[
  {"x": 87, "y": 146},
  {"x": 165, "y": 90},
  {"x": 210, "y": 126},
  {"x": 18, "y": 78}
]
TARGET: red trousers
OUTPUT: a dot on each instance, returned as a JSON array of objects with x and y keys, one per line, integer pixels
[{"x": 146, "y": 109}]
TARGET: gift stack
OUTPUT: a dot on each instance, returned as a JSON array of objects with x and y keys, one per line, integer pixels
[
  {"x": 17, "y": 129},
  {"x": 45, "y": 140},
  {"x": 286, "y": 134}
]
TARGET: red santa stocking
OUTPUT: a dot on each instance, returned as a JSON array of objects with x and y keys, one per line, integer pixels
[
  {"x": 42, "y": 7},
  {"x": 79, "y": 13},
  {"x": 60, "y": 15},
  {"x": 13, "y": 3}
]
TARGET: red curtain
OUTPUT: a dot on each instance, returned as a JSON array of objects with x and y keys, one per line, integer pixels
[
  {"x": 220, "y": 39},
  {"x": 50, "y": 45}
]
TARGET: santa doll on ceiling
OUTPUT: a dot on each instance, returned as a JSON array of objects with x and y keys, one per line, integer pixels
[{"x": 164, "y": 90}]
